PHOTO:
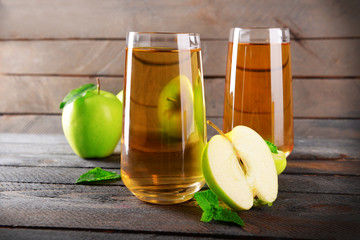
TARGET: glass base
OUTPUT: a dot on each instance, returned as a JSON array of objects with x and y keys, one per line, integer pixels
[{"x": 166, "y": 195}]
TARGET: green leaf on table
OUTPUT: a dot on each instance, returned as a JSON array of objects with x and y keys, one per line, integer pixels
[
  {"x": 208, "y": 215},
  {"x": 206, "y": 200},
  {"x": 97, "y": 175},
  {"x": 76, "y": 93},
  {"x": 226, "y": 215},
  {"x": 272, "y": 147},
  {"x": 209, "y": 203}
]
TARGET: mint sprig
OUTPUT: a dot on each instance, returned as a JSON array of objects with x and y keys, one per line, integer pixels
[
  {"x": 76, "y": 93},
  {"x": 272, "y": 147},
  {"x": 96, "y": 175},
  {"x": 209, "y": 203}
]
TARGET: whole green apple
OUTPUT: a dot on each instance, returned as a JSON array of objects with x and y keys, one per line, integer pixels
[
  {"x": 175, "y": 108},
  {"x": 92, "y": 122}
]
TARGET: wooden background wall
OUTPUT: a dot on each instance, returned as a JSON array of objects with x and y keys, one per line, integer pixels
[{"x": 50, "y": 47}]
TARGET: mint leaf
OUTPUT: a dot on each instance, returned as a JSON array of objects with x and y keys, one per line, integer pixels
[
  {"x": 76, "y": 93},
  {"x": 96, "y": 175},
  {"x": 226, "y": 215},
  {"x": 206, "y": 200},
  {"x": 209, "y": 203},
  {"x": 207, "y": 216},
  {"x": 272, "y": 147}
]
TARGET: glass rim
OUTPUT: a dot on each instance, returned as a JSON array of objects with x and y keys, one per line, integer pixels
[
  {"x": 165, "y": 33},
  {"x": 169, "y": 40},
  {"x": 261, "y": 28},
  {"x": 260, "y": 35}
]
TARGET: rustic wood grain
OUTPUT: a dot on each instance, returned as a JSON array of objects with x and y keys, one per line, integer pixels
[
  {"x": 56, "y": 145},
  {"x": 322, "y": 98},
  {"x": 53, "y": 151},
  {"x": 87, "y": 234},
  {"x": 85, "y": 57},
  {"x": 44, "y": 94},
  {"x": 213, "y": 19},
  {"x": 84, "y": 234},
  {"x": 337, "y": 167},
  {"x": 327, "y": 128},
  {"x": 313, "y": 149},
  {"x": 30, "y": 94},
  {"x": 303, "y": 128},
  {"x": 287, "y": 183},
  {"x": 37, "y": 124},
  {"x": 113, "y": 208}
]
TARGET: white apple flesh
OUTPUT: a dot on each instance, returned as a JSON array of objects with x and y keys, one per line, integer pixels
[{"x": 239, "y": 167}]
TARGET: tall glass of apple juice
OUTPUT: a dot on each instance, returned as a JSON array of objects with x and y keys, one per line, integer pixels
[
  {"x": 164, "y": 130},
  {"x": 258, "y": 84}
]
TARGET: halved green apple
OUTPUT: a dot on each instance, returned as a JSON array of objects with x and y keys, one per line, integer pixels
[{"x": 238, "y": 167}]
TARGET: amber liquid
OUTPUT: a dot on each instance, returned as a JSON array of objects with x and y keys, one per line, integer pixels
[
  {"x": 157, "y": 166},
  {"x": 258, "y": 92}
]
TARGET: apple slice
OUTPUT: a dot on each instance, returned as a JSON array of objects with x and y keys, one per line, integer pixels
[{"x": 238, "y": 166}]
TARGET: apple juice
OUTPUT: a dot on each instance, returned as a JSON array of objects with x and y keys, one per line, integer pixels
[
  {"x": 164, "y": 130},
  {"x": 258, "y": 92}
]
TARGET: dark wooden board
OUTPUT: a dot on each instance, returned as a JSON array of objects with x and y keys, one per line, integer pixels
[
  {"x": 113, "y": 208},
  {"x": 86, "y": 234},
  {"x": 305, "y": 148},
  {"x": 287, "y": 182},
  {"x": 212, "y": 19},
  {"x": 310, "y": 58},
  {"x": 9, "y": 233},
  {"x": 303, "y": 128},
  {"x": 311, "y": 98},
  {"x": 336, "y": 167},
  {"x": 313, "y": 149}
]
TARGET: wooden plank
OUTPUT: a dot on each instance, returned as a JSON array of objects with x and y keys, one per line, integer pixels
[
  {"x": 338, "y": 167},
  {"x": 303, "y": 128},
  {"x": 85, "y": 234},
  {"x": 58, "y": 154},
  {"x": 85, "y": 57},
  {"x": 305, "y": 148},
  {"x": 311, "y": 98},
  {"x": 213, "y": 19},
  {"x": 113, "y": 208},
  {"x": 44, "y": 94},
  {"x": 312, "y": 149},
  {"x": 287, "y": 183},
  {"x": 56, "y": 145},
  {"x": 36, "y": 124},
  {"x": 327, "y": 98},
  {"x": 30, "y": 94},
  {"x": 327, "y": 128}
]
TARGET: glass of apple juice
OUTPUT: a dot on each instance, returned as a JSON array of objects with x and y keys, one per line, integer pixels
[
  {"x": 164, "y": 130},
  {"x": 258, "y": 84}
]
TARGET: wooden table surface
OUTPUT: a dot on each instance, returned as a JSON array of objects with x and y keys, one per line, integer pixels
[{"x": 319, "y": 196}]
